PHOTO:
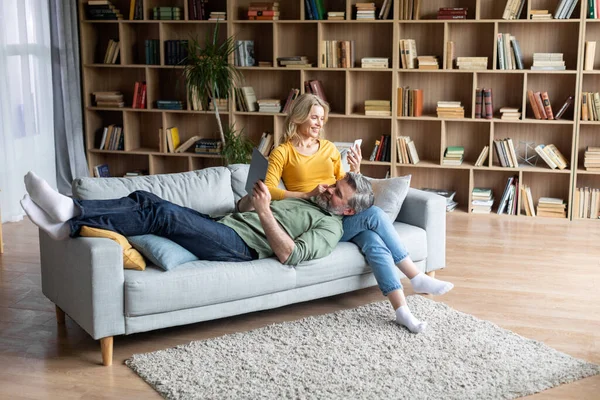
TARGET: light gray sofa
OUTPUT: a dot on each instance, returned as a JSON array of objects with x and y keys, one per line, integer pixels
[{"x": 85, "y": 278}]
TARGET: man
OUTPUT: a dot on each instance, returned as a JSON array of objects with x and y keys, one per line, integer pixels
[{"x": 293, "y": 230}]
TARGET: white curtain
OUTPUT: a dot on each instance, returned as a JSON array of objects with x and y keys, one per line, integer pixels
[{"x": 26, "y": 121}]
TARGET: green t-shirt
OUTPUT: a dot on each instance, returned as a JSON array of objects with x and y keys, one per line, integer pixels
[{"x": 314, "y": 231}]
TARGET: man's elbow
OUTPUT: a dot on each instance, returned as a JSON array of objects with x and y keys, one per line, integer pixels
[{"x": 283, "y": 256}]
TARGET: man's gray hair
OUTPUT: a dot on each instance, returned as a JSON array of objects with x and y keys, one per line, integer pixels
[{"x": 363, "y": 192}]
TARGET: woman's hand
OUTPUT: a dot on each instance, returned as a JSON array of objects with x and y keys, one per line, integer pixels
[
  {"x": 354, "y": 158},
  {"x": 316, "y": 191}
]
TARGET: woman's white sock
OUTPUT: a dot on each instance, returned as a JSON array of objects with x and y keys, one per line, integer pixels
[
  {"x": 426, "y": 284},
  {"x": 405, "y": 318},
  {"x": 59, "y": 208},
  {"x": 57, "y": 231}
]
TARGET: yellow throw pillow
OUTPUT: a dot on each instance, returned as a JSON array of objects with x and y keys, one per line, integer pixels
[{"x": 132, "y": 259}]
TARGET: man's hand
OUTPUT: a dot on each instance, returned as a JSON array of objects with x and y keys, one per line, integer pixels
[
  {"x": 261, "y": 197},
  {"x": 354, "y": 158},
  {"x": 316, "y": 191}
]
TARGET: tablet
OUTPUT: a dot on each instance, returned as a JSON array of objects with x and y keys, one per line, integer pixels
[{"x": 258, "y": 169}]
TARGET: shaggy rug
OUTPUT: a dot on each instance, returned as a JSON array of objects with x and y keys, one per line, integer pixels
[{"x": 362, "y": 354}]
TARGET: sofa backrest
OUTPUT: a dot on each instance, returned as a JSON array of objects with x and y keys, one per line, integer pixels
[{"x": 208, "y": 190}]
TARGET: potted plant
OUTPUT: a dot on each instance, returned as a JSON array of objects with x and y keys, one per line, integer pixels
[{"x": 209, "y": 75}]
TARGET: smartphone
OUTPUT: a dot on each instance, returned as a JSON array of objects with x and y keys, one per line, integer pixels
[{"x": 356, "y": 145}]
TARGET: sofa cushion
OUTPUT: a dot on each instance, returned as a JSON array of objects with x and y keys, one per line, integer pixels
[
  {"x": 390, "y": 194},
  {"x": 207, "y": 191},
  {"x": 162, "y": 252},
  {"x": 201, "y": 283},
  {"x": 347, "y": 260},
  {"x": 132, "y": 259}
]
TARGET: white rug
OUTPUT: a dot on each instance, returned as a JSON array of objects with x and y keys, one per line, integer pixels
[{"x": 362, "y": 354}]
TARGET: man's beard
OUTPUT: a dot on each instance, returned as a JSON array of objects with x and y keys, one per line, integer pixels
[{"x": 323, "y": 202}]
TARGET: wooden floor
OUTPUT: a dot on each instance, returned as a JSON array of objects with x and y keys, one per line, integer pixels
[{"x": 538, "y": 278}]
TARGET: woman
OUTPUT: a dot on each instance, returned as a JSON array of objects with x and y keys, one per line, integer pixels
[{"x": 308, "y": 164}]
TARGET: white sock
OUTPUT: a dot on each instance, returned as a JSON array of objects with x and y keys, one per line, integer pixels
[
  {"x": 405, "y": 318},
  {"x": 59, "y": 208},
  {"x": 426, "y": 284},
  {"x": 57, "y": 231}
]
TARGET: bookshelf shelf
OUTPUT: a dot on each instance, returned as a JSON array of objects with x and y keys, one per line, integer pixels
[{"x": 348, "y": 88}]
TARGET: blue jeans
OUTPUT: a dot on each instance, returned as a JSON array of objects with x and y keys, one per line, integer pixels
[
  {"x": 373, "y": 232},
  {"x": 142, "y": 213}
]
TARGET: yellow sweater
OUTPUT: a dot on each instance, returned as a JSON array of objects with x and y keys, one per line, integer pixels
[{"x": 302, "y": 173}]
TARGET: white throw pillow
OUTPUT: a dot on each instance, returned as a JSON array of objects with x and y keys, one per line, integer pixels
[{"x": 390, "y": 194}]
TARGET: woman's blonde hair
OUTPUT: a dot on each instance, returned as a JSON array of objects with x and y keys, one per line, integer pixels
[{"x": 299, "y": 113}]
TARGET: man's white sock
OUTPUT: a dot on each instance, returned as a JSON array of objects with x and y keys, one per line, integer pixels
[
  {"x": 405, "y": 318},
  {"x": 57, "y": 231},
  {"x": 426, "y": 284},
  {"x": 59, "y": 208}
]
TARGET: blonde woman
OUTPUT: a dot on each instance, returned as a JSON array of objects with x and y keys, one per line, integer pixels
[{"x": 310, "y": 165}]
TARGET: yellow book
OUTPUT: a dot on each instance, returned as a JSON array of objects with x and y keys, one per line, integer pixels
[{"x": 175, "y": 138}]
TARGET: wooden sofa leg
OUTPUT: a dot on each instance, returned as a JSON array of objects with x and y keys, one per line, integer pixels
[
  {"x": 107, "y": 350},
  {"x": 430, "y": 274},
  {"x": 60, "y": 315}
]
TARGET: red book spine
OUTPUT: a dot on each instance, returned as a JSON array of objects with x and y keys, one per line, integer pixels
[
  {"x": 452, "y": 12},
  {"x": 143, "y": 96},
  {"x": 136, "y": 89},
  {"x": 380, "y": 149},
  {"x": 547, "y": 106},
  {"x": 266, "y": 13},
  {"x": 451, "y": 17},
  {"x": 487, "y": 100}
]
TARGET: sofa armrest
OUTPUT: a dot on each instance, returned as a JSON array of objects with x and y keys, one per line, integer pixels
[
  {"x": 427, "y": 211},
  {"x": 84, "y": 277}
]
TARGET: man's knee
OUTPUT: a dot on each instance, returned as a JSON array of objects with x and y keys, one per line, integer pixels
[{"x": 142, "y": 197}]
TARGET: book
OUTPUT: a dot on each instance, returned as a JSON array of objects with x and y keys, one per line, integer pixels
[
  {"x": 101, "y": 171},
  {"x": 482, "y": 156},
  {"x": 547, "y": 106},
  {"x": 590, "y": 53},
  {"x": 561, "y": 111},
  {"x": 487, "y": 103},
  {"x": 187, "y": 144}
]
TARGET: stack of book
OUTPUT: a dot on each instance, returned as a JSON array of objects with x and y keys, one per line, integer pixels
[
  {"x": 168, "y": 139},
  {"x": 539, "y": 14},
  {"x": 453, "y": 155},
  {"x": 365, "y": 11},
  {"x": 482, "y": 156},
  {"x": 505, "y": 150},
  {"x": 217, "y": 16},
  {"x": 137, "y": 172},
  {"x": 428, "y": 62},
  {"x": 265, "y": 11},
  {"x": 112, "y": 138},
  {"x": 169, "y": 104},
  {"x": 551, "y": 207},
  {"x": 590, "y": 106},
  {"x": 591, "y": 159},
  {"x": 292, "y": 96},
  {"x": 294, "y": 61},
  {"x": 513, "y": 9},
  {"x": 586, "y": 203},
  {"x": 194, "y": 98},
  {"x": 102, "y": 10},
  {"x": 408, "y": 53},
  {"x": 381, "y": 108},
  {"x": 548, "y": 62},
  {"x": 447, "y": 194},
  {"x": 208, "y": 146},
  {"x": 244, "y": 53},
  {"x": 374, "y": 62},
  {"x": 552, "y": 156},
  {"x": 472, "y": 63},
  {"x": 540, "y": 104},
  {"x": 407, "y": 151},
  {"x": 167, "y": 13},
  {"x": 450, "y": 109},
  {"x": 196, "y": 9},
  {"x": 340, "y": 54},
  {"x": 112, "y": 52},
  {"x": 269, "y": 105},
  {"x": 336, "y": 15},
  {"x": 222, "y": 104},
  {"x": 152, "y": 51},
  {"x": 509, "y": 52},
  {"x": 484, "y": 107},
  {"x": 482, "y": 200},
  {"x": 410, "y": 102},
  {"x": 510, "y": 197},
  {"x": 565, "y": 8},
  {"x": 452, "y": 13},
  {"x": 176, "y": 51},
  {"x": 139, "y": 95},
  {"x": 108, "y": 99},
  {"x": 527, "y": 200},
  {"x": 510, "y": 113},
  {"x": 266, "y": 143},
  {"x": 245, "y": 99}
]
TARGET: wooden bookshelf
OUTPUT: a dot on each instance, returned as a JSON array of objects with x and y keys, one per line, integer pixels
[{"x": 348, "y": 88}]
